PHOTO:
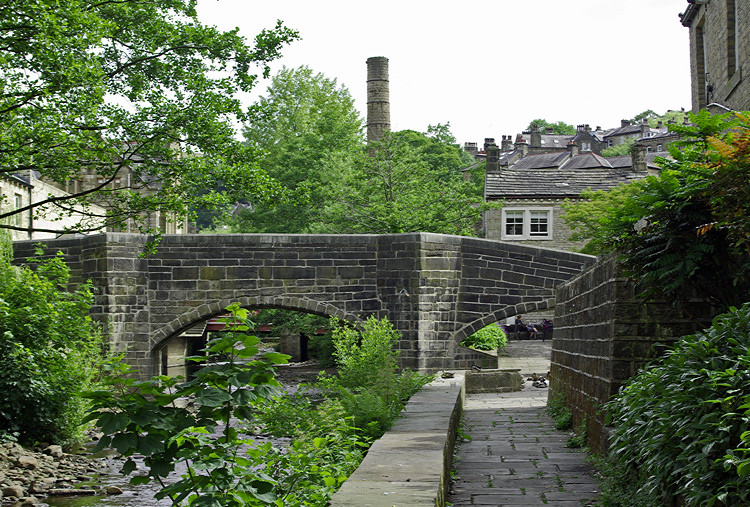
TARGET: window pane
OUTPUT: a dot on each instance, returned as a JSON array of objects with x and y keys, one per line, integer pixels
[
  {"x": 514, "y": 223},
  {"x": 539, "y": 222}
]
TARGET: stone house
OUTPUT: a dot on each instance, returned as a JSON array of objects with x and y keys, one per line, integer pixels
[
  {"x": 20, "y": 189},
  {"x": 534, "y": 187},
  {"x": 719, "y": 54}
]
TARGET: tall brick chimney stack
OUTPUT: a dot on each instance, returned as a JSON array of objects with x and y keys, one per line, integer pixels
[{"x": 378, "y": 98}]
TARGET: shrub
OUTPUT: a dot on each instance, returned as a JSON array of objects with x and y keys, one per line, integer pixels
[
  {"x": 221, "y": 467},
  {"x": 559, "y": 411},
  {"x": 491, "y": 337},
  {"x": 679, "y": 425},
  {"x": 50, "y": 350},
  {"x": 368, "y": 384}
]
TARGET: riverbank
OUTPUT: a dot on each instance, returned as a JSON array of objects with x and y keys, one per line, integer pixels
[{"x": 28, "y": 474}]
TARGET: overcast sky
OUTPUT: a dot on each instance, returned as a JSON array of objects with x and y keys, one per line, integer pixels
[{"x": 487, "y": 67}]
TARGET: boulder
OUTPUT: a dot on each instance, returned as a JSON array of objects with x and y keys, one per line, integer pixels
[
  {"x": 28, "y": 462},
  {"x": 13, "y": 490},
  {"x": 54, "y": 450}
]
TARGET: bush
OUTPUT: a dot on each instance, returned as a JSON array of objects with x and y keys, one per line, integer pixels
[
  {"x": 679, "y": 425},
  {"x": 369, "y": 386},
  {"x": 49, "y": 351},
  {"x": 491, "y": 337}
]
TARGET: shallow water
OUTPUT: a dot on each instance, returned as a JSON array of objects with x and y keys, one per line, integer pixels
[{"x": 143, "y": 495}]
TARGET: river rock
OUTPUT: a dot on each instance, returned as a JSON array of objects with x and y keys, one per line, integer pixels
[
  {"x": 114, "y": 490},
  {"x": 55, "y": 451},
  {"x": 13, "y": 490},
  {"x": 28, "y": 462}
]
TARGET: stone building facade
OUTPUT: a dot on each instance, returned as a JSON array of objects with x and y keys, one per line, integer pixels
[
  {"x": 534, "y": 188},
  {"x": 719, "y": 53}
]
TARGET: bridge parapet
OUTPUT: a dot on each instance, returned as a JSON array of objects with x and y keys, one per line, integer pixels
[{"x": 436, "y": 289}]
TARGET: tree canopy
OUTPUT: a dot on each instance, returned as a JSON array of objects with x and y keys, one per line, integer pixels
[
  {"x": 309, "y": 122},
  {"x": 102, "y": 88},
  {"x": 686, "y": 228},
  {"x": 402, "y": 184},
  {"x": 559, "y": 127}
]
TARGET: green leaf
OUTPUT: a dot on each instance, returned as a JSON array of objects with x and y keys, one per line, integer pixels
[
  {"x": 213, "y": 397},
  {"x": 125, "y": 443},
  {"x": 128, "y": 467}
]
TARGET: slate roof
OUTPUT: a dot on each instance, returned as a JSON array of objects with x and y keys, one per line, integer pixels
[
  {"x": 553, "y": 183},
  {"x": 622, "y": 131},
  {"x": 551, "y": 140},
  {"x": 558, "y": 175}
]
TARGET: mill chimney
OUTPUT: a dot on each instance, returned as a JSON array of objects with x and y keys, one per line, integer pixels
[{"x": 378, "y": 98}]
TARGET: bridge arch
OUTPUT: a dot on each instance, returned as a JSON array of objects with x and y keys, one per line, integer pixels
[
  {"x": 208, "y": 311},
  {"x": 435, "y": 289},
  {"x": 500, "y": 315}
]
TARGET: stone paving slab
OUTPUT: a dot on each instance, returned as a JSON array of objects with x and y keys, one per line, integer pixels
[
  {"x": 528, "y": 356},
  {"x": 516, "y": 457}
]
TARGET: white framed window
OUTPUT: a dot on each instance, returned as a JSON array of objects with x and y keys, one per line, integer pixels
[
  {"x": 18, "y": 204},
  {"x": 527, "y": 223},
  {"x": 585, "y": 146},
  {"x": 659, "y": 147},
  {"x": 513, "y": 223}
]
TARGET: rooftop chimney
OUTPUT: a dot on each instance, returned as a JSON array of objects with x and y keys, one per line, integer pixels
[
  {"x": 573, "y": 148},
  {"x": 638, "y": 156},
  {"x": 507, "y": 143},
  {"x": 624, "y": 123},
  {"x": 492, "y": 155},
  {"x": 521, "y": 145},
  {"x": 536, "y": 136},
  {"x": 378, "y": 98}
]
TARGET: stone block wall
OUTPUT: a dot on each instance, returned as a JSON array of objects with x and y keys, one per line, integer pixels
[
  {"x": 604, "y": 334},
  {"x": 719, "y": 53},
  {"x": 435, "y": 289}
]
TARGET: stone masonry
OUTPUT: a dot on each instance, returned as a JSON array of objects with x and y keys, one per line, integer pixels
[
  {"x": 719, "y": 53},
  {"x": 604, "y": 334},
  {"x": 435, "y": 289}
]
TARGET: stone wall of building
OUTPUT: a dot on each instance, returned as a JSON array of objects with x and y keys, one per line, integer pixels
[
  {"x": 604, "y": 334},
  {"x": 561, "y": 232},
  {"x": 719, "y": 53}
]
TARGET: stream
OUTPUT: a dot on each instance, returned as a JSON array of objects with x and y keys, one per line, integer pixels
[{"x": 290, "y": 377}]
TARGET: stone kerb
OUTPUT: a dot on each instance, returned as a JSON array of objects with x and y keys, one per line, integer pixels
[{"x": 410, "y": 465}]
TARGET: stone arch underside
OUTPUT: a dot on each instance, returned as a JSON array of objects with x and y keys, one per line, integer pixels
[
  {"x": 209, "y": 310},
  {"x": 500, "y": 314}
]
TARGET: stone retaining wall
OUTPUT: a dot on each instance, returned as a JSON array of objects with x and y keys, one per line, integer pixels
[
  {"x": 604, "y": 334},
  {"x": 410, "y": 464}
]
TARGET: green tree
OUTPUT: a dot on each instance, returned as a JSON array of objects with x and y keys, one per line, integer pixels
[
  {"x": 89, "y": 87},
  {"x": 622, "y": 149},
  {"x": 49, "y": 350},
  {"x": 309, "y": 122},
  {"x": 654, "y": 118},
  {"x": 687, "y": 228},
  {"x": 559, "y": 127},
  {"x": 394, "y": 189}
]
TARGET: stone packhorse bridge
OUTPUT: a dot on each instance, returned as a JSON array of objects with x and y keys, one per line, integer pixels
[{"x": 435, "y": 289}]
